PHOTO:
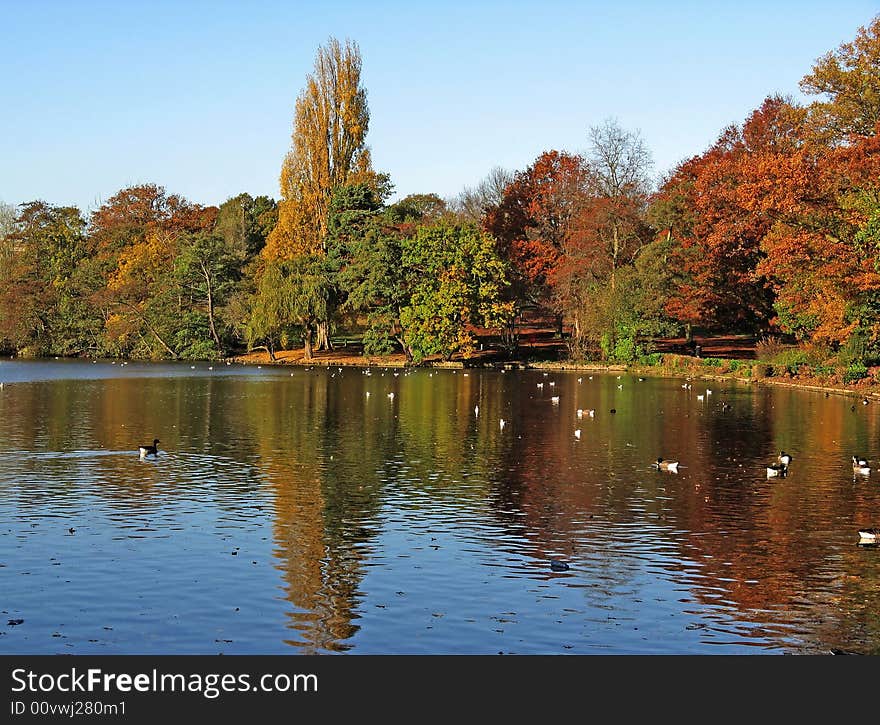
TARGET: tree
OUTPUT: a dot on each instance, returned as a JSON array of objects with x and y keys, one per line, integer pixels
[
  {"x": 620, "y": 164},
  {"x": 850, "y": 78},
  {"x": 40, "y": 307},
  {"x": 534, "y": 223},
  {"x": 291, "y": 295},
  {"x": 328, "y": 150},
  {"x": 473, "y": 202},
  {"x": 457, "y": 280},
  {"x": 135, "y": 238},
  {"x": 245, "y": 222}
]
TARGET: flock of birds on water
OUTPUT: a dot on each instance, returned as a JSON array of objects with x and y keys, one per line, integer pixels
[{"x": 777, "y": 469}]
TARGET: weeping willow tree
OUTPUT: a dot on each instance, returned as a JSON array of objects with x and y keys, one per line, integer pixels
[{"x": 328, "y": 150}]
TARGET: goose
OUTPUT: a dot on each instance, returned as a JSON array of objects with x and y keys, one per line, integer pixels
[
  {"x": 777, "y": 469},
  {"x": 664, "y": 465},
  {"x": 149, "y": 450},
  {"x": 860, "y": 465},
  {"x": 784, "y": 458}
]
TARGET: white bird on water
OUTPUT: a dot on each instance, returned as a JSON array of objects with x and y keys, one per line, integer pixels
[
  {"x": 368, "y": 393},
  {"x": 700, "y": 398},
  {"x": 580, "y": 413},
  {"x": 540, "y": 385},
  {"x": 555, "y": 400},
  {"x": 477, "y": 411},
  {"x": 390, "y": 396},
  {"x": 580, "y": 380},
  {"x": 577, "y": 434},
  {"x": 501, "y": 424}
]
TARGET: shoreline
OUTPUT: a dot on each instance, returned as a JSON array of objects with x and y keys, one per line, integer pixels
[{"x": 693, "y": 368}]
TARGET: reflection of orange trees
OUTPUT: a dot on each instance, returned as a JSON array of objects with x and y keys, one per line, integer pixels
[{"x": 765, "y": 546}]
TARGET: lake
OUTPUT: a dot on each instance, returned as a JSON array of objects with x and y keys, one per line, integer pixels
[{"x": 294, "y": 510}]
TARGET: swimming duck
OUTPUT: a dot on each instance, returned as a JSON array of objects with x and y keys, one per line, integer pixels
[
  {"x": 860, "y": 465},
  {"x": 869, "y": 536},
  {"x": 149, "y": 450},
  {"x": 784, "y": 458},
  {"x": 664, "y": 465},
  {"x": 777, "y": 469}
]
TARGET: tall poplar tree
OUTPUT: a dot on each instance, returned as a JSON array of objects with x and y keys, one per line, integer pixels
[{"x": 328, "y": 150}]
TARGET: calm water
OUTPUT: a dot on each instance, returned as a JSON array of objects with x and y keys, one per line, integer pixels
[{"x": 287, "y": 511}]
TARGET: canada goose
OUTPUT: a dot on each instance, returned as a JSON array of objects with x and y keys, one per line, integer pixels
[
  {"x": 149, "y": 450},
  {"x": 777, "y": 469},
  {"x": 860, "y": 465},
  {"x": 784, "y": 458},
  {"x": 663, "y": 465}
]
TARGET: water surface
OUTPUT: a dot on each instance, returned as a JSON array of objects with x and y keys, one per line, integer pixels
[{"x": 288, "y": 511}]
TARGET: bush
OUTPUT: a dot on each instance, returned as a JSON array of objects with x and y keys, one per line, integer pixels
[
  {"x": 856, "y": 371},
  {"x": 654, "y": 358},
  {"x": 762, "y": 371},
  {"x": 768, "y": 348}
]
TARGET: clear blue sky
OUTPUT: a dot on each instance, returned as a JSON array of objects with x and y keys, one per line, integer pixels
[{"x": 198, "y": 96}]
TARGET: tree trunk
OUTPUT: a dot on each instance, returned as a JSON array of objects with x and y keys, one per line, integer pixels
[
  {"x": 151, "y": 329},
  {"x": 322, "y": 337},
  {"x": 558, "y": 325},
  {"x": 688, "y": 333},
  {"x": 210, "y": 291},
  {"x": 307, "y": 343}
]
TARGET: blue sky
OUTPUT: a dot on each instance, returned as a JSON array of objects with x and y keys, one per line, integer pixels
[{"x": 198, "y": 96}]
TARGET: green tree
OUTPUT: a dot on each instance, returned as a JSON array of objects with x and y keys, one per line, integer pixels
[
  {"x": 456, "y": 281},
  {"x": 291, "y": 295}
]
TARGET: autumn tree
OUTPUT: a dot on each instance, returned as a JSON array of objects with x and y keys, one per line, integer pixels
[
  {"x": 534, "y": 222},
  {"x": 328, "y": 150},
  {"x": 40, "y": 301},
  {"x": 849, "y": 78}
]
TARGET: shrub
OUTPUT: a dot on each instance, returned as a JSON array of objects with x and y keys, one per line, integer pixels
[
  {"x": 856, "y": 371},
  {"x": 768, "y": 348},
  {"x": 654, "y": 358}
]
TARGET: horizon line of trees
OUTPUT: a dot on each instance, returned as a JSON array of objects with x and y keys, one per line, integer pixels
[{"x": 773, "y": 230}]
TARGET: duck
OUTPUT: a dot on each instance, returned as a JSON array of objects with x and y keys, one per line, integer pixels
[
  {"x": 777, "y": 469},
  {"x": 860, "y": 465},
  {"x": 784, "y": 458},
  {"x": 665, "y": 465},
  {"x": 149, "y": 450},
  {"x": 869, "y": 536}
]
